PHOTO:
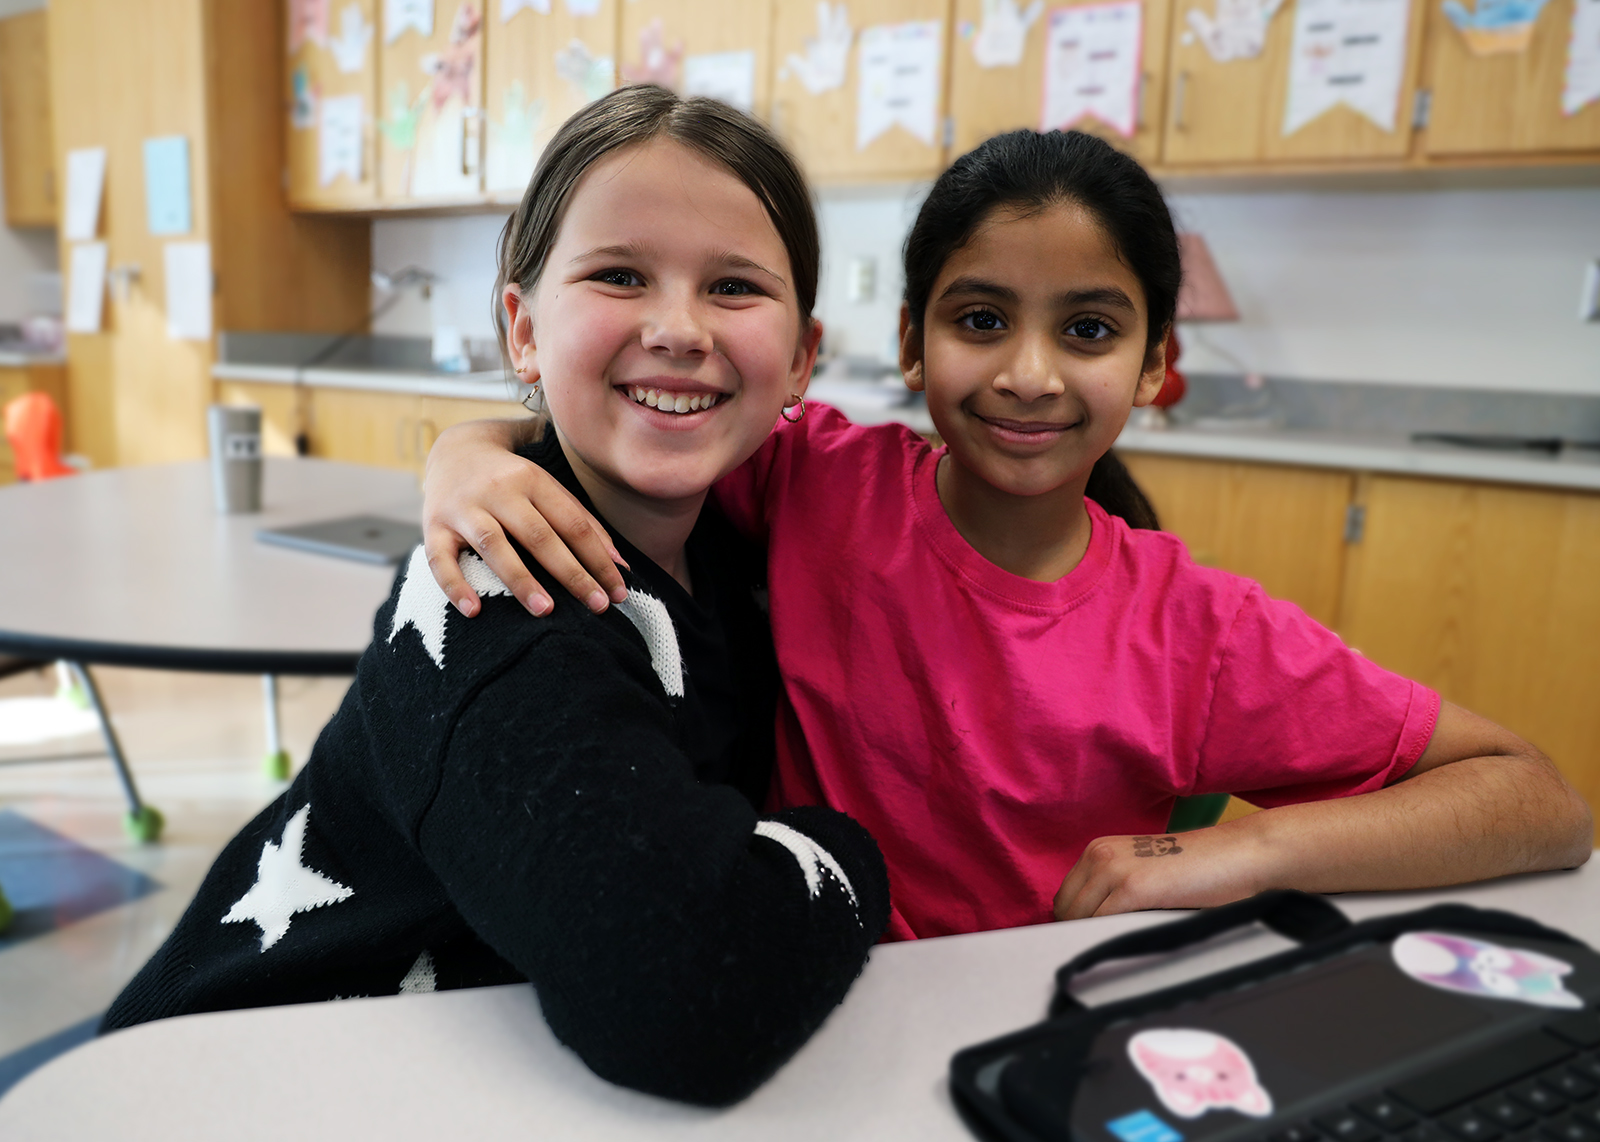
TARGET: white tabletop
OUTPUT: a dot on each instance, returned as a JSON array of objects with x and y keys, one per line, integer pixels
[
  {"x": 135, "y": 566},
  {"x": 481, "y": 1064}
]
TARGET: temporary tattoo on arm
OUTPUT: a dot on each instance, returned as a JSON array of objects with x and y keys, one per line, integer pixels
[{"x": 1156, "y": 846}]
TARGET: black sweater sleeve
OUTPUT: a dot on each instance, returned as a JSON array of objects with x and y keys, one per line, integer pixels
[{"x": 680, "y": 944}]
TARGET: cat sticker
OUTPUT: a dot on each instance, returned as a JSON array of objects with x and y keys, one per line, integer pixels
[
  {"x": 1476, "y": 967},
  {"x": 1193, "y": 1071}
]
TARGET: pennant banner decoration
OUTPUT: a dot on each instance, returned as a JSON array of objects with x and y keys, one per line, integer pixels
[
  {"x": 1583, "y": 58},
  {"x": 1346, "y": 51},
  {"x": 899, "y": 81},
  {"x": 1091, "y": 66}
]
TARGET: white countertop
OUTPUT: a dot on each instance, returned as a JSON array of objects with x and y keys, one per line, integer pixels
[
  {"x": 488, "y": 385},
  {"x": 21, "y": 359}
]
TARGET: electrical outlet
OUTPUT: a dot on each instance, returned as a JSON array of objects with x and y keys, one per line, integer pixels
[{"x": 1589, "y": 304}]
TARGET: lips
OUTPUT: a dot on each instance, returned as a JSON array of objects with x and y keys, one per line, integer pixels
[
  {"x": 674, "y": 400},
  {"x": 1016, "y": 431}
]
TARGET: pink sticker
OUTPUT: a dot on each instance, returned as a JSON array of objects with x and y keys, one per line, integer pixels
[
  {"x": 1475, "y": 967},
  {"x": 1194, "y": 1071}
]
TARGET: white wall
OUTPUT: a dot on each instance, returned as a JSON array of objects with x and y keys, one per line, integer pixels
[
  {"x": 23, "y": 253},
  {"x": 461, "y": 250},
  {"x": 13, "y": 7}
]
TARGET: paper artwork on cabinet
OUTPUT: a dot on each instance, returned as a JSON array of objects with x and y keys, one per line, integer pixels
[
  {"x": 1237, "y": 31},
  {"x": 1091, "y": 66},
  {"x": 453, "y": 69},
  {"x": 86, "y": 180},
  {"x": 86, "y": 287},
  {"x": 398, "y": 15},
  {"x": 583, "y": 7},
  {"x": 302, "y": 100},
  {"x": 728, "y": 76},
  {"x": 827, "y": 54},
  {"x": 1495, "y": 27},
  {"x": 188, "y": 273},
  {"x": 1582, "y": 86},
  {"x": 592, "y": 75},
  {"x": 511, "y": 152},
  {"x": 1346, "y": 51},
  {"x": 349, "y": 47},
  {"x": 166, "y": 185},
  {"x": 339, "y": 148},
  {"x": 899, "y": 81},
  {"x": 308, "y": 23},
  {"x": 1003, "y": 36},
  {"x": 509, "y": 8},
  {"x": 659, "y": 63}
]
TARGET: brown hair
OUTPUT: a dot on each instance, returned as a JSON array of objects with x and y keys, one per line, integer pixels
[{"x": 634, "y": 115}]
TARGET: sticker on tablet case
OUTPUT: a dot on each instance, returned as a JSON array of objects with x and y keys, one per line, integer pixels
[
  {"x": 1476, "y": 967},
  {"x": 1193, "y": 1071}
]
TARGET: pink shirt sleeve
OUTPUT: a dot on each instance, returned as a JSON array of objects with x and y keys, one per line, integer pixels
[{"x": 1298, "y": 716}]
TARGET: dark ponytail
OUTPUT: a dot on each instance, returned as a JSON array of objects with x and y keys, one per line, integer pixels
[{"x": 1027, "y": 171}]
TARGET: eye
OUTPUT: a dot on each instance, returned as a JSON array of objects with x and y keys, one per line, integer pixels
[
  {"x": 1089, "y": 329},
  {"x": 981, "y": 321},
  {"x": 734, "y": 287},
  {"x": 626, "y": 279}
]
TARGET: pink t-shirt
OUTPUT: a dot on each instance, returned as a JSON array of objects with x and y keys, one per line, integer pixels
[{"x": 986, "y": 727}]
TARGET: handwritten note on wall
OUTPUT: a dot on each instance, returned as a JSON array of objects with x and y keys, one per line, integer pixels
[
  {"x": 899, "y": 80},
  {"x": 1091, "y": 66},
  {"x": 1582, "y": 86},
  {"x": 1346, "y": 51},
  {"x": 728, "y": 76}
]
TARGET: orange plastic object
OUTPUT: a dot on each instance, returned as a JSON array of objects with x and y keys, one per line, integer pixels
[{"x": 33, "y": 426}]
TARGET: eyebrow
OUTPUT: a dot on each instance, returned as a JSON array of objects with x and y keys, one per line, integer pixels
[
  {"x": 979, "y": 287},
  {"x": 721, "y": 258}
]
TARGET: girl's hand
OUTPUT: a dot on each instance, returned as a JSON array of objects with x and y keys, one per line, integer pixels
[
  {"x": 1197, "y": 869},
  {"x": 476, "y": 492}
]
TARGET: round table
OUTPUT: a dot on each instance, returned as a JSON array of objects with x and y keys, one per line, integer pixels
[{"x": 135, "y": 567}]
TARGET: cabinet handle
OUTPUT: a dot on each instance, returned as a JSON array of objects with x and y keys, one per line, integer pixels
[
  {"x": 1140, "y": 119},
  {"x": 470, "y": 117},
  {"x": 1180, "y": 100}
]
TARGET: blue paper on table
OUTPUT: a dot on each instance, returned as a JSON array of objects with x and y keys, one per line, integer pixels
[
  {"x": 53, "y": 881},
  {"x": 166, "y": 184}
]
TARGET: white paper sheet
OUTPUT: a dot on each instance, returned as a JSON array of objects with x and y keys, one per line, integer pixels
[
  {"x": 349, "y": 47},
  {"x": 899, "y": 81},
  {"x": 823, "y": 66},
  {"x": 339, "y": 139},
  {"x": 583, "y": 7},
  {"x": 86, "y": 181},
  {"x": 509, "y": 8},
  {"x": 728, "y": 76},
  {"x": 1582, "y": 85},
  {"x": 1091, "y": 66},
  {"x": 1346, "y": 51},
  {"x": 86, "y": 287},
  {"x": 398, "y": 15},
  {"x": 1237, "y": 31},
  {"x": 188, "y": 266},
  {"x": 1003, "y": 36}
]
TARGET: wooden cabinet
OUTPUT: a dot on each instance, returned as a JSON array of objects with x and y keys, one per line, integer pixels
[
  {"x": 331, "y": 93},
  {"x": 990, "y": 97},
  {"x": 817, "y": 92},
  {"x": 431, "y": 106},
  {"x": 721, "y": 48},
  {"x": 1507, "y": 101},
  {"x": 18, "y": 379},
  {"x": 25, "y": 123},
  {"x": 539, "y": 68},
  {"x": 388, "y": 430}
]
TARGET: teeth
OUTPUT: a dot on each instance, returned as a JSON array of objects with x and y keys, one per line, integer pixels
[{"x": 672, "y": 402}]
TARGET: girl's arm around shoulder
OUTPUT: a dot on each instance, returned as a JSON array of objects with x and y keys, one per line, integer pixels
[{"x": 1479, "y": 803}]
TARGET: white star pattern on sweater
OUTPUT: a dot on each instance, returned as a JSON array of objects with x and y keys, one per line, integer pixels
[
  {"x": 811, "y": 857},
  {"x": 423, "y": 605},
  {"x": 284, "y": 886}
]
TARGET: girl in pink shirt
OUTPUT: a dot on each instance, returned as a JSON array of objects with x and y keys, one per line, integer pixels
[{"x": 991, "y": 658}]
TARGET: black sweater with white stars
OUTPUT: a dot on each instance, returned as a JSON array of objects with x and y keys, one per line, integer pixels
[{"x": 566, "y": 801}]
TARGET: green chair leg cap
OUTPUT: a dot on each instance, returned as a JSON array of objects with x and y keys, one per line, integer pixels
[
  {"x": 144, "y": 826},
  {"x": 276, "y": 765},
  {"x": 5, "y": 913},
  {"x": 75, "y": 694}
]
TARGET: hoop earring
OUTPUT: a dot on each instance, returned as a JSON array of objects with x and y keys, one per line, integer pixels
[{"x": 784, "y": 412}]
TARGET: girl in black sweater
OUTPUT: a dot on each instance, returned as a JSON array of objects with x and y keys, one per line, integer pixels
[{"x": 569, "y": 801}]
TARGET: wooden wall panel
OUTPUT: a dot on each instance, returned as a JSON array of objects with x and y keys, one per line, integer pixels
[{"x": 25, "y": 120}]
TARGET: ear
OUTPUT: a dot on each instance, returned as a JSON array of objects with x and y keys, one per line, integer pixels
[
  {"x": 805, "y": 360},
  {"x": 1153, "y": 374},
  {"x": 911, "y": 351},
  {"x": 519, "y": 334}
]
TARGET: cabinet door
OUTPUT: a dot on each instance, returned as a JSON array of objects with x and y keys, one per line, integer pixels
[
  {"x": 382, "y": 429},
  {"x": 282, "y": 417},
  {"x": 25, "y": 124},
  {"x": 540, "y": 68},
  {"x": 1487, "y": 594},
  {"x": 439, "y": 413},
  {"x": 1501, "y": 92},
  {"x": 989, "y": 94},
  {"x": 721, "y": 48},
  {"x": 431, "y": 103},
  {"x": 1281, "y": 526},
  {"x": 859, "y": 91},
  {"x": 330, "y": 96}
]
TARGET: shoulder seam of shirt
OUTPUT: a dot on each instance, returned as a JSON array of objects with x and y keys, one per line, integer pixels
[{"x": 1226, "y": 642}]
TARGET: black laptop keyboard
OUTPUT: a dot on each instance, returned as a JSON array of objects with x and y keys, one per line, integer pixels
[{"x": 1540, "y": 1087}]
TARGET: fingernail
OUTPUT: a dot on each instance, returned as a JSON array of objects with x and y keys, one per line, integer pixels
[
  {"x": 619, "y": 594},
  {"x": 616, "y": 557},
  {"x": 597, "y": 601},
  {"x": 539, "y": 604},
  {"x": 467, "y": 607}
]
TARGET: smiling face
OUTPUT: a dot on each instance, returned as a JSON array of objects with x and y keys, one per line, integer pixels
[
  {"x": 1033, "y": 351},
  {"x": 664, "y": 327}
]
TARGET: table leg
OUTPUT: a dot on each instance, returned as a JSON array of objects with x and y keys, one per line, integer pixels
[
  {"x": 143, "y": 822},
  {"x": 277, "y": 762}
]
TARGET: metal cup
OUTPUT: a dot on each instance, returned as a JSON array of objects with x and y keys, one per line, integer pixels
[{"x": 235, "y": 457}]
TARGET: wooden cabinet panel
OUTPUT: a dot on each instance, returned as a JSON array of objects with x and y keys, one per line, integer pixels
[
  {"x": 25, "y": 123},
  {"x": 985, "y": 101},
  {"x": 281, "y": 414},
  {"x": 332, "y": 63},
  {"x": 1281, "y": 526},
  {"x": 820, "y": 120},
  {"x": 431, "y": 108},
  {"x": 439, "y": 413},
  {"x": 382, "y": 429},
  {"x": 1487, "y": 594},
  {"x": 671, "y": 42},
  {"x": 539, "y": 68},
  {"x": 1508, "y": 101}
]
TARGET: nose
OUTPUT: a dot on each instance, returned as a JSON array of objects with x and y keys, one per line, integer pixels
[
  {"x": 676, "y": 325},
  {"x": 1031, "y": 372}
]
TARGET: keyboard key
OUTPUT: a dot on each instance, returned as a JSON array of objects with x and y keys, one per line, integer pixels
[
  {"x": 1470, "y": 1125},
  {"x": 1299, "y": 1132},
  {"x": 1589, "y": 1112},
  {"x": 1480, "y": 1073},
  {"x": 1572, "y": 1086},
  {"x": 1343, "y": 1126},
  {"x": 1569, "y": 1129},
  {"x": 1506, "y": 1114},
  {"x": 1537, "y": 1097},
  {"x": 1428, "y": 1132},
  {"x": 1385, "y": 1113},
  {"x": 1581, "y": 1027},
  {"x": 1588, "y": 1066}
]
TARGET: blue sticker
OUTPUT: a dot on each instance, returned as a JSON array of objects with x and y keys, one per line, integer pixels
[{"x": 1142, "y": 1126}]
